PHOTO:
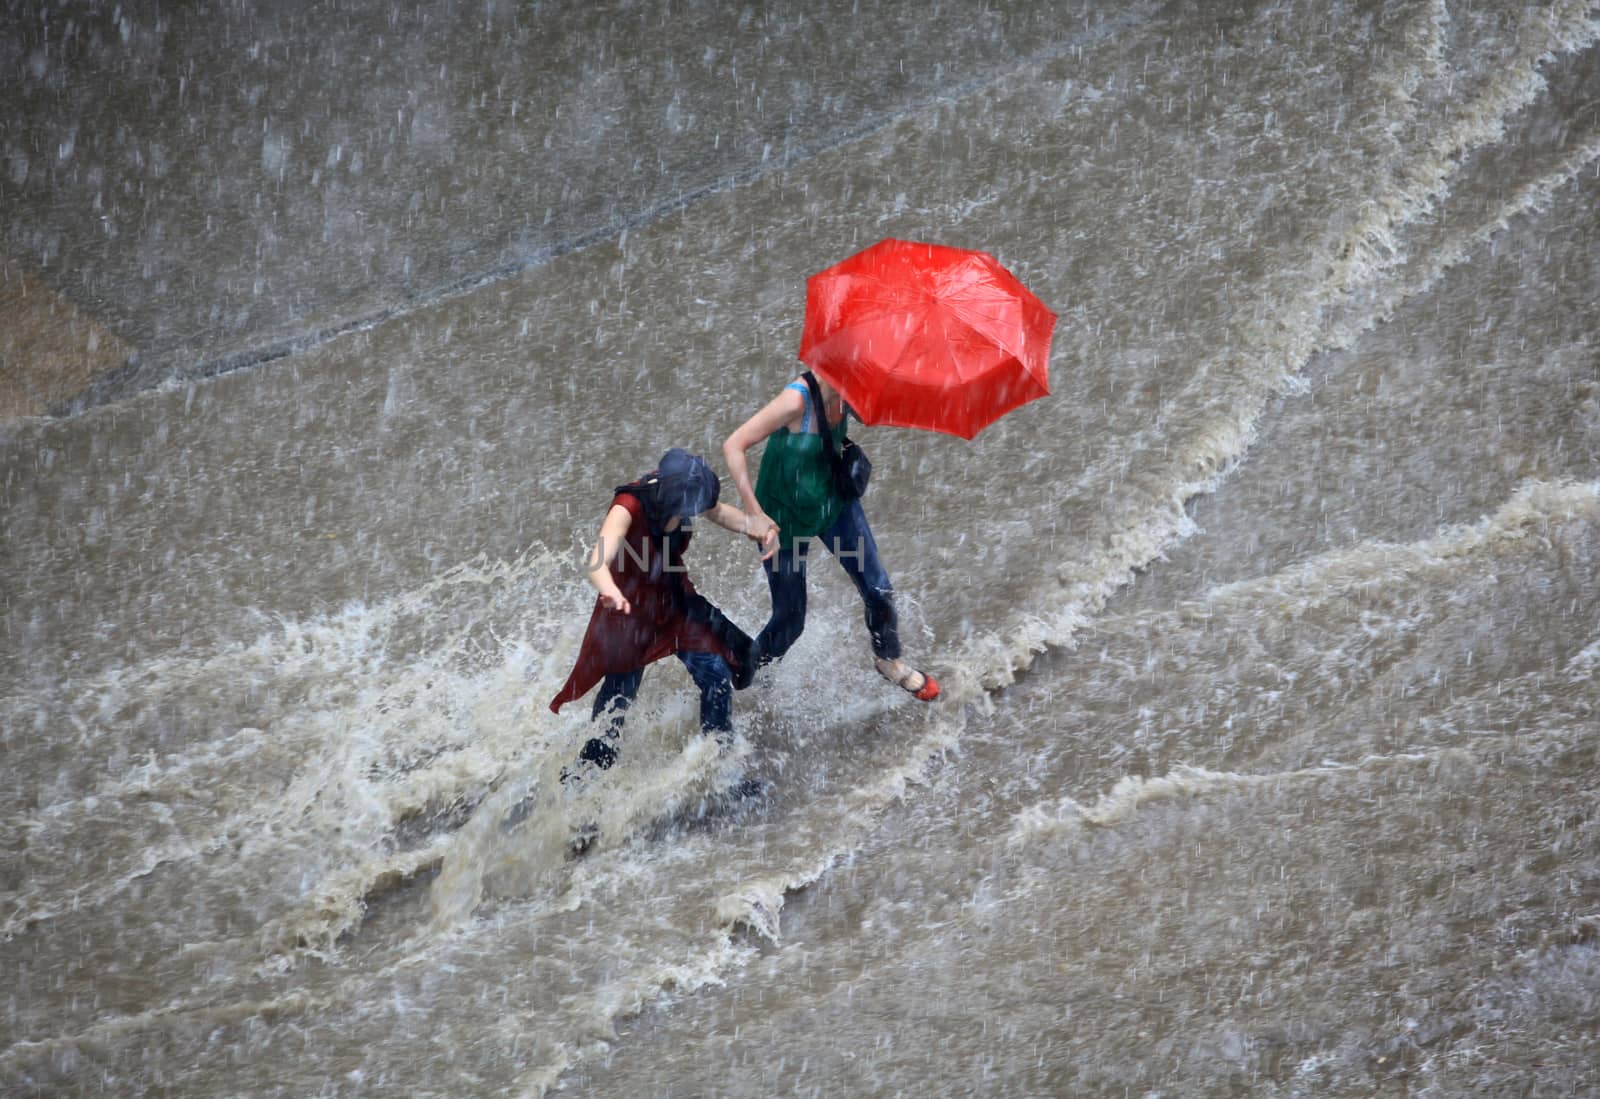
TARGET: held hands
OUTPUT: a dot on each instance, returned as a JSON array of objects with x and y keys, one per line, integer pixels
[{"x": 761, "y": 530}]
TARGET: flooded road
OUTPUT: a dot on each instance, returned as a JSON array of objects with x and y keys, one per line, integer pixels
[{"x": 1266, "y": 760}]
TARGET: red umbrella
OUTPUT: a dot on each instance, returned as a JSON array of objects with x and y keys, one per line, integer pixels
[{"x": 920, "y": 335}]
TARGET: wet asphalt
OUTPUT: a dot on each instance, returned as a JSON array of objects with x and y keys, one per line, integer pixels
[{"x": 190, "y": 195}]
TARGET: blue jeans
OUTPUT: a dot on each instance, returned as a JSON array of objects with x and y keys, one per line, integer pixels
[
  {"x": 850, "y": 540},
  {"x": 710, "y": 673}
]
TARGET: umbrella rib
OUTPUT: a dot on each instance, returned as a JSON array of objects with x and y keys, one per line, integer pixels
[{"x": 1001, "y": 328}]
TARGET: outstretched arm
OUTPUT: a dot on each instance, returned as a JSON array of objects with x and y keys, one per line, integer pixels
[
  {"x": 612, "y": 533},
  {"x": 784, "y": 410},
  {"x": 731, "y": 518}
]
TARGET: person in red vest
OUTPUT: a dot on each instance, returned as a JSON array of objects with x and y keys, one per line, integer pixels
[{"x": 647, "y": 607}]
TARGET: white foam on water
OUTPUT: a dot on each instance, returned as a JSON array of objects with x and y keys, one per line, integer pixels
[
  {"x": 1132, "y": 794},
  {"x": 1537, "y": 523},
  {"x": 366, "y": 737},
  {"x": 1528, "y": 515},
  {"x": 399, "y": 726},
  {"x": 1197, "y": 461}
]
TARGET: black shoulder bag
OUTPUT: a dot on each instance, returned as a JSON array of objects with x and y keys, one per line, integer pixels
[{"x": 851, "y": 469}]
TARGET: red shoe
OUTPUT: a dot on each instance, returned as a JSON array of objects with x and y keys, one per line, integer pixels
[{"x": 925, "y": 693}]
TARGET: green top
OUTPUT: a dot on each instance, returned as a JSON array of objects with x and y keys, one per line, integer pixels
[{"x": 795, "y": 485}]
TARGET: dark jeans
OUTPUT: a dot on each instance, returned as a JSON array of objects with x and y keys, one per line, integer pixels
[
  {"x": 849, "y": 540},
  {"x": 710, "y": 673}
]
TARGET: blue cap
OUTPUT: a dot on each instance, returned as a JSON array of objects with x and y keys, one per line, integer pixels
[{"x": 688, "y": 486}]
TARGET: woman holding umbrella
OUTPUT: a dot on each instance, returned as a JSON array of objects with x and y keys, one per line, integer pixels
[
  {"x": 910, "y": 334},
  {"x": 795, "y": 500}
]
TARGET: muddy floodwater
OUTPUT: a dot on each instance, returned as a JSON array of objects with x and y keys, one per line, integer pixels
[{"x": 1266, "y": 763}]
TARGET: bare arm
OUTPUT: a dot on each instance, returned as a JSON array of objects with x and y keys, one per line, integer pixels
[
  {"x": 612, "y": 533},
  {"x": 731, "y": 518},
  {"x": 784, "y": 410}
]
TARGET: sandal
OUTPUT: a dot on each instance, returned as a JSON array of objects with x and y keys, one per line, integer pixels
[{"x": 927, "y": 692}]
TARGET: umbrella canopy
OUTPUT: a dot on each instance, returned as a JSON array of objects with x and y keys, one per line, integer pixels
[{"x": 920, "y": 335}]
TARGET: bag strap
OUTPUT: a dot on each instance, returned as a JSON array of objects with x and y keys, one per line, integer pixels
[{"x": 822, "y": 424}]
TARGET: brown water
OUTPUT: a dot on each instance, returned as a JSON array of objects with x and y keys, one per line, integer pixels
[{"x": 1266, "y": 762}]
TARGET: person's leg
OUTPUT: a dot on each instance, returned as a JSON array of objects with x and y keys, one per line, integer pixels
[
  {"x": 612, "y": 700},
  {"x": 741, "y": 647},
  {"x": 850, "y": 540},
  {"x": 710, "y": 673},
  {"x": 715, "y": 680},
  {"x": 786, "y": 578}
]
